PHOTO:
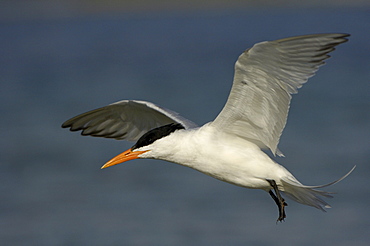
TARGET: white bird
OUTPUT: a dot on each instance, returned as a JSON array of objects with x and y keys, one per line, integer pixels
[{"x": 230, "y": 147}]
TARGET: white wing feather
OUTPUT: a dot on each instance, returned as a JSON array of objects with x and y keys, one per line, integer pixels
[
  {"x": 127, "y": 119},
  {"x": 265, "y": 77}
]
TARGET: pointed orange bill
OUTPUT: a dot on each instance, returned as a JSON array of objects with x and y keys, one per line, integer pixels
[{"x": 125, "y": 156}]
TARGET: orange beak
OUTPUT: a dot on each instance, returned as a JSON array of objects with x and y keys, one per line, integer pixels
[{"x": 125, "y": 156}]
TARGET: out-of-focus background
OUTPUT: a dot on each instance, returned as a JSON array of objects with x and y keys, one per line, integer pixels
[{"x": 62, "y": 58}]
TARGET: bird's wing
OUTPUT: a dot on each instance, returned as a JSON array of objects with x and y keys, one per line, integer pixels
[
  {"x": 127, "y": 119},
  {"x": 265, "y": 77}
]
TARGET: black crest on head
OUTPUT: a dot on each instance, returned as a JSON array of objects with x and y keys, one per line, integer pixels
[{"x": 155, "y": 134}]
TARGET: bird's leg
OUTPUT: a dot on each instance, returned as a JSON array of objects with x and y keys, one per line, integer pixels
[
  {"x": 280, "y": 205},
  {"x": 279, "y": 200}
]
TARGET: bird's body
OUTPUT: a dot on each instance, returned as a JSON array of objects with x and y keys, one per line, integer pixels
[
  {"x": 235, "y": 160},
  {"x": 230, "y": 147}
]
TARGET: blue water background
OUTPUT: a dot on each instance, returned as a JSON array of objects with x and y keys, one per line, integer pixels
[{"x": 52, "y": 189}]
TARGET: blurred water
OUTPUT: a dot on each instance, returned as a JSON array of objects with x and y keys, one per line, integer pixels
[{"x": 53, "y": 191}]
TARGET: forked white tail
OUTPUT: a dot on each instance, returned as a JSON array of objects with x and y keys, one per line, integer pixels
[{"x": 308, "y": 195}]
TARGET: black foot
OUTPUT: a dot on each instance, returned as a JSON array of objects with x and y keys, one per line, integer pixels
[{"x": 279, "y": 200}]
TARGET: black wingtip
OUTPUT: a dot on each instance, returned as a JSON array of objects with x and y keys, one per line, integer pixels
[{"x": 65, "y": 125}]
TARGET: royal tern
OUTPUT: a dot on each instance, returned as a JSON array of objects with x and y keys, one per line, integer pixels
[{"x": 230, "y": 147}]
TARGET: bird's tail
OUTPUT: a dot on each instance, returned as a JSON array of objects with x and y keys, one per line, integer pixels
[{"x": 308, "y": 195}]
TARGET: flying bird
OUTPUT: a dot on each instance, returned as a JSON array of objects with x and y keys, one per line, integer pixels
[{"x": 230, "y": 148}]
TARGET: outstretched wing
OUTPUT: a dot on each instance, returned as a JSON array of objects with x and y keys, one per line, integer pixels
[
  {"x": 127, "y": 119},
  {"x": 265, "y": 77}
]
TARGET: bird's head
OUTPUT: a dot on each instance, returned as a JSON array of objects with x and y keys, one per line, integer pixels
[{"x": 144, "y": 144}]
